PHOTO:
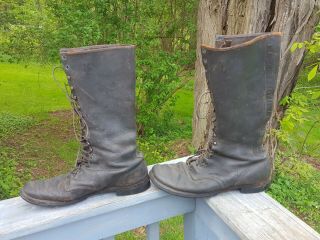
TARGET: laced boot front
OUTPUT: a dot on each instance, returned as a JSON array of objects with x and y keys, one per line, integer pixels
[
  {"x": 102, "y": 94},
  {"x": 86, "y": 150},
  {"x": 241, "y": 74}
]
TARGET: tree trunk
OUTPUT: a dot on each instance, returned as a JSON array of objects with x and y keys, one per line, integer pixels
[{"x": 296, "y": 19}]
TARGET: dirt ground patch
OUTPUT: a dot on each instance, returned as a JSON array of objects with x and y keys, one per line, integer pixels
[
  {"x": 181, "y": 147},
  {"x": 313, "y": 161},
  {"x": 37, "y": 149}
]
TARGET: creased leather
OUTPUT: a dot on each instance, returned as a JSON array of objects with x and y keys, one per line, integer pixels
[
  {"x": 103, "y": 80},
  {"x": 241, "y": 73}
]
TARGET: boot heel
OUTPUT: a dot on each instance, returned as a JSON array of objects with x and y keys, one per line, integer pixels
[
  {"x": 133, "y": 190},
  {"x": 253, "y": 189}
]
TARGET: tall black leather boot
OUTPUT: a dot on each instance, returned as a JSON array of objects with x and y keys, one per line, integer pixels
[
  {"x": 241, "y": 73},
  {"x": 102, "y": 85}
]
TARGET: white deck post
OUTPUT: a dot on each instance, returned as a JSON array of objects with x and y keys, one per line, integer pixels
[{"x": 153, "y": 231}]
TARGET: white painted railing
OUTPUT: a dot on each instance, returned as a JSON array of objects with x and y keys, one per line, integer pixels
[{"x": 228, "y": 216}]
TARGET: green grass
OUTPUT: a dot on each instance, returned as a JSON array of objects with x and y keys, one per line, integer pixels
[
  {"x": 170, "y": 229},
  {"x": 36, "y": 143},
  {"x": 183, "y": 109},
  {"x": 11, "y": 123},
  {"x": 29, "y": 89},
  {"x": 296, "y": 186},
  {"x": 10, "y": 182},
  {"x": 184, "y": 105}
]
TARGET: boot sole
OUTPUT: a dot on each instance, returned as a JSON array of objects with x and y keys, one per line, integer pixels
[
  {"x": 119, "y": 191},
  {"x": 246, "y": 189}
]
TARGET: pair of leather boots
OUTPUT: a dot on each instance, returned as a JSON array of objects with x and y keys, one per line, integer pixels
[{"x": 241, "y": 73}]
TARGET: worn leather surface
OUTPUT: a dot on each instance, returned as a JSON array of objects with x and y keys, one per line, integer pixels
[
  {"x": 241, "y": 73},
  {"x": 103, "y": 80}
]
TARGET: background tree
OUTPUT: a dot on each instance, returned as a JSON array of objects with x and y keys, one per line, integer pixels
[{"x": 294, "y": 18}]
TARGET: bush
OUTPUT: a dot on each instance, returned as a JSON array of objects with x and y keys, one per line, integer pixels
[{"x": 157, "y": 81}]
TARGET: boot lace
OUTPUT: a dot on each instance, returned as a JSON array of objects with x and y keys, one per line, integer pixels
[
  {"x": 85, "y": 149},
  {"x": 200, "y": 158}
]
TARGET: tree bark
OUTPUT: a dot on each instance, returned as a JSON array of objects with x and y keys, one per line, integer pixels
[{"x": 296, "y": 19}]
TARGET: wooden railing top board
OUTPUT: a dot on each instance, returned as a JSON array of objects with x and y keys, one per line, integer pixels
[{"x": 254, "y": 216}]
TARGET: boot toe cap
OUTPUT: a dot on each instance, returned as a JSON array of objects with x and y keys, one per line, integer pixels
[
  {"x": 179, "y": 179},
  {"x": 171, "y": 177},
  {"x": 39, "y": 191}
]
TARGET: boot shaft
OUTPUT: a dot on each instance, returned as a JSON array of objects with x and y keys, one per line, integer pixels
[
  {"x": 241, "y": 73},
  {"x": 102, "y": 79}
]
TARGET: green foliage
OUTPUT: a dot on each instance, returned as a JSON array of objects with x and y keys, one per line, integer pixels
[
  {"x": 298, "y": 103},
  {"x": 38, "y": 29},
  {"x": 296, "y": 183},
  {"x": 155, "y": 150},
  {"x": 10, "y": 182},
  {"x": 299, "y": 129},
  {"x": 26, "y": 30},
  {"x": 164, "y": 32},
  {"x": 313, "y": 72},
  {"x": 156, "y": 83},
  {"x": 313, "y": 48},
  {"x": 304, "y": 98},
  {"x": 170, "y": 229},
  {"x": 296, "y": 186}
]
